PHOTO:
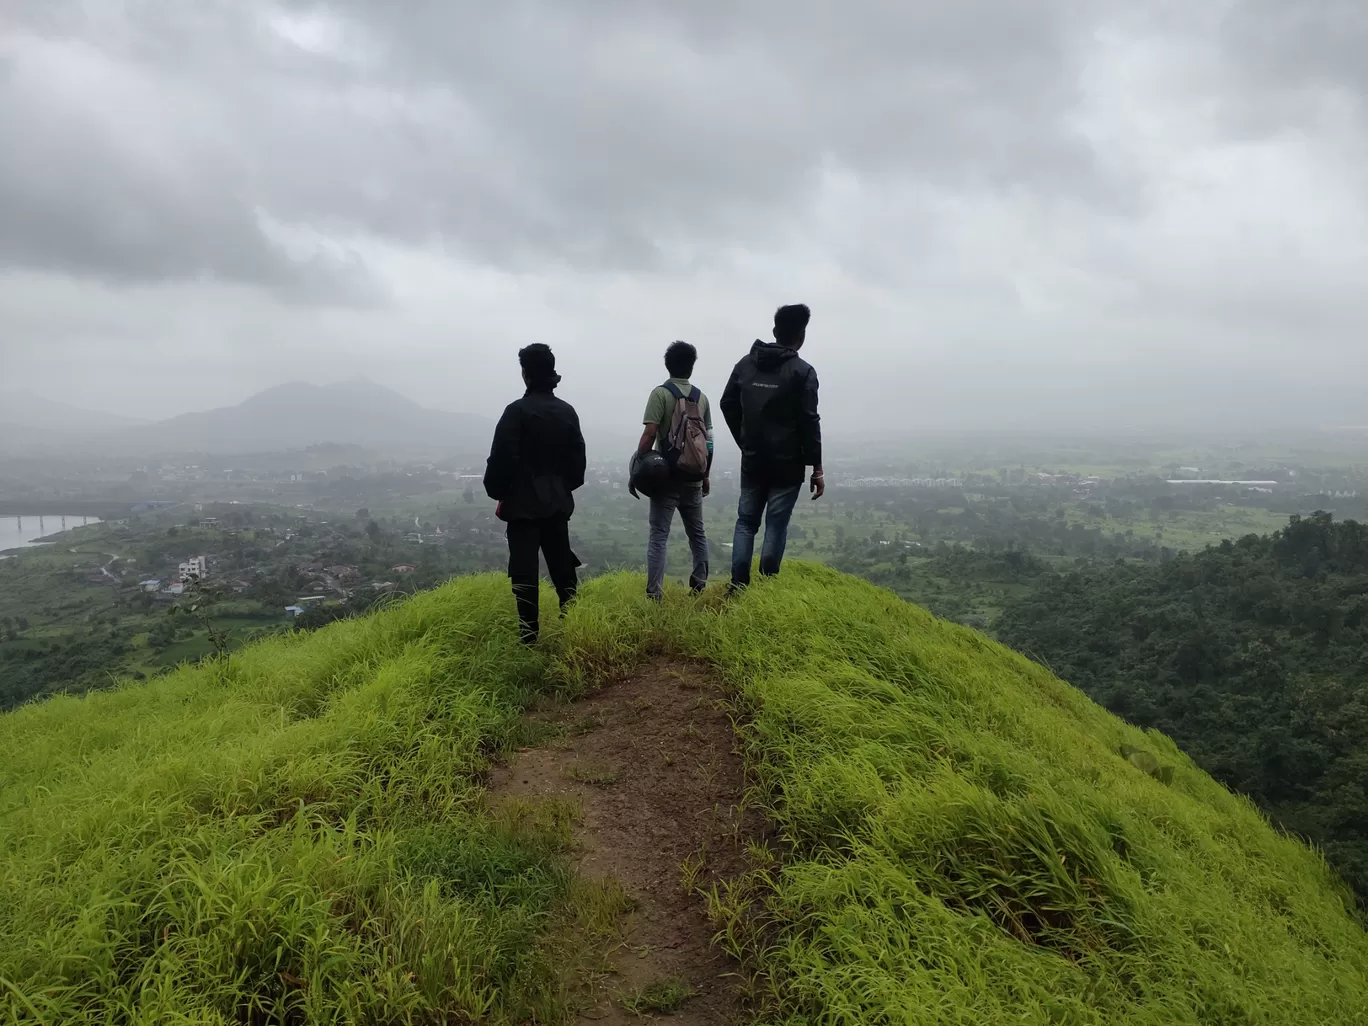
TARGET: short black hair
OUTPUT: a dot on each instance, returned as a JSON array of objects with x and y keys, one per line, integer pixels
[
  {"x": 790, "y": 322},
  {"x": 539, "y": 364},
  {"x": 680, "y": 359}
]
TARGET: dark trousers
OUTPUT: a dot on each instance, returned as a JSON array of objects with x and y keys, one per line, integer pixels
[
  {"x": 550, "y": 537},
  {"x": 760, "y": 499}
]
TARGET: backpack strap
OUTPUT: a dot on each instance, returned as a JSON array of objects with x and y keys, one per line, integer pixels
[
  {"x": 695, "y": 394},
  {"x": 673, "y": 389}
]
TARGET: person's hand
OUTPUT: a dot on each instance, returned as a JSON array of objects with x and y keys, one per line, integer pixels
[
  {"x": 818, "y": 485},
  {"x": 707, "y": 486}
]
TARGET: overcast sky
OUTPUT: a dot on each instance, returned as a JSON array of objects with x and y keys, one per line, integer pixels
[{"x": 1002, "y": 212}]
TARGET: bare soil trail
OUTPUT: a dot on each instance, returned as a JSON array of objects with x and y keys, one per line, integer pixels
[{"x": 650, "y": 759}]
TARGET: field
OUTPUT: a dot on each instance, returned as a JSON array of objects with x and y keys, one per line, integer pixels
[{"x": 304, "y": 834}]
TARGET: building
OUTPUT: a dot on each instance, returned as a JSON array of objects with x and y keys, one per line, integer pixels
[
  {"x": 293, "y": 611},
  {"x": 404, "y": 568},
  {"x": 194, "y": 569},
  {"x": 149, "y": 585}
]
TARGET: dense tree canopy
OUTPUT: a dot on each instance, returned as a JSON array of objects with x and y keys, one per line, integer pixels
[{"x": 1253, "y": 655}]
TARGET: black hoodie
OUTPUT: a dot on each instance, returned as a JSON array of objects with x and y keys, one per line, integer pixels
[{"x": 771, "y": 409}]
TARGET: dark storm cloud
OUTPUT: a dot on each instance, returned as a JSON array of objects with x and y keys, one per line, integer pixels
[{"x": 161, "y": 139}]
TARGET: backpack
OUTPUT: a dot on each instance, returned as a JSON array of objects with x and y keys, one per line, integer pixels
[{"x": 686, "y": 445}]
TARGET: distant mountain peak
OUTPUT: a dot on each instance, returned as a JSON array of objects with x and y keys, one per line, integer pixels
[{"x": 298, "y": 414}]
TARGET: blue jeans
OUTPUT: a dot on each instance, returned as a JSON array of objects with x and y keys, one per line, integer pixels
[
  {"x": 688, "y": 499},
  {"x": 776, "y": 506}
]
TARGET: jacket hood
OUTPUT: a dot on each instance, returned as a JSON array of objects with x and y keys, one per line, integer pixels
[{"x": 769, "y": 355}]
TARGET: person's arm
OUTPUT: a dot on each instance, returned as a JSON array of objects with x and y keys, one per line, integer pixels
[
  {"x": 731, "y": 406},
  {"x": 503, "y": 456},
  {"x": 651, "y": 418},
  {"x": 810, "y": 433},
  {"x": 707, "y": 424},
  {"x": 579, "y": 459}
]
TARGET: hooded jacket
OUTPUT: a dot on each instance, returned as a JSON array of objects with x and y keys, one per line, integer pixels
[
  {"x": 770, "y": 405},
  {"x": 537, "y": 459}
]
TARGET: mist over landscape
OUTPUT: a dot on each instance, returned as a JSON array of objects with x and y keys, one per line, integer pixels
[{"x": 1057, "y": 711}]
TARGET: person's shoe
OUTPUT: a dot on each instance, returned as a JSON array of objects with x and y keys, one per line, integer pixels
[{"x": 734, "y": 589}]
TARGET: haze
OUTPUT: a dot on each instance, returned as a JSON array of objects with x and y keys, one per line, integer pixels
[{"x": 1051, "y": 214}]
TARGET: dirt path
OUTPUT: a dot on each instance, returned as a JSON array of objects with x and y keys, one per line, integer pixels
[{"x": 650, "y": 760}]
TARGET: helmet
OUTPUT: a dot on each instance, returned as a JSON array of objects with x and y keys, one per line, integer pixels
[{"x": 650, "y": 473}]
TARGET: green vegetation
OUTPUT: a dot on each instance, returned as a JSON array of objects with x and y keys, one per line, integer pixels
[
  {"x": 300, "y": 834},
  {"x": 1253, "y": 655},
  {"x": 663, "y": 996}
]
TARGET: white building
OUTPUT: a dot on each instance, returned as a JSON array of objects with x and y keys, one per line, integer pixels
[{"x": 194, "y": 569}]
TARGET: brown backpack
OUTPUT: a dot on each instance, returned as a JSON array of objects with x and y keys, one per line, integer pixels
[{"x": 686, "y": 445}]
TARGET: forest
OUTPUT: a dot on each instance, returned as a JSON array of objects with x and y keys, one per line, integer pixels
[{"x": 1252, "y": 655}]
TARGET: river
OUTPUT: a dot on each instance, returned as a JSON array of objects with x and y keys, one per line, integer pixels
[{"x": 19, "y": 532}]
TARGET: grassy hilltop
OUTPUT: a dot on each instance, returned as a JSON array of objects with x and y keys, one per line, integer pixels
[{"x": 958, "y": 837}]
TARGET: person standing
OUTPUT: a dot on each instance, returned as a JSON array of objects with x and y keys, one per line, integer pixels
[
  {"x": 535, "y": 464},
  {"x": 678, "y": 422},
  {"x": 770, "y": 405}
]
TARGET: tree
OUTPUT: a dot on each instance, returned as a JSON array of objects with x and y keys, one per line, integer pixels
[{"x": 197, "y": 605}]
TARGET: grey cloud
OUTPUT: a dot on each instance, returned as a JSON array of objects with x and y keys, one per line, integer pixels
[
  {"x": 123, "y": 175},
  {"x": 619, "y": 124},
  {"x": 527, "y": 131},
  {"x": 1321, "y": 43}
]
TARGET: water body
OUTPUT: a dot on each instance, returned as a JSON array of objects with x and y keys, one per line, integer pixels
[{"x": 21, "y": 532}]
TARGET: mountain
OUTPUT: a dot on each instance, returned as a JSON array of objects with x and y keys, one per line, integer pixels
[
  {"x": 297, "y": 415},
  {"x": 936, "y": 830},
  {"x": 25, "y": 407},
  {"x": 31, "y": 422}
]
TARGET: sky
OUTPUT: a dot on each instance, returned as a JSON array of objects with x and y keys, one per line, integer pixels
[{"x": 1004, "y": 214}]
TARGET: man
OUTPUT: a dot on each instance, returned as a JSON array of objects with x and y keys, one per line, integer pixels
[
  {"x": 536, "y": 462},
  {"x": 770, "y": 405},
  {"x": 682, "y": 495}
]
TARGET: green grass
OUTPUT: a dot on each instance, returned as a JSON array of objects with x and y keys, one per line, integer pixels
[
  {"x": 663, "y": 996},
  {"x": 958, "y": 837}
]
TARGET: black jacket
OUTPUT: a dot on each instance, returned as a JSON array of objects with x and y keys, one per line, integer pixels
[
  {"x": 537, "y": 458},
  {"x": 771, "y": 409}
]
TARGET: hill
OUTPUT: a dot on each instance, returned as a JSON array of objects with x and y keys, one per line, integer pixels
[
  {"x": 32, "y": 423},
  {"x": 22, "y": 406},
  {"x": 950, "y": 834},
  {"x": 1251, "y": 655},
  {"x": 297, "y": 415}
]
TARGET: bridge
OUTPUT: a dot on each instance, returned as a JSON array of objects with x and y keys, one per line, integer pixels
[
  {"x": 104, "y": 509},
  {"x": 47, "y": 523}
]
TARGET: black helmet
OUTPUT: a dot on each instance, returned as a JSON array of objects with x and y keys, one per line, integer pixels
[{"x": 650, "y": 473}]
